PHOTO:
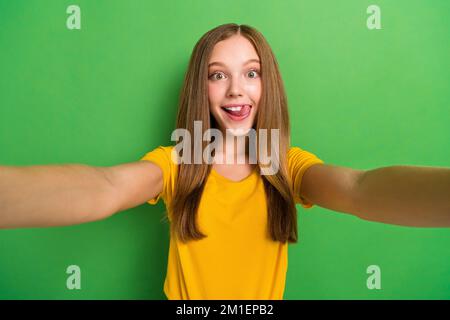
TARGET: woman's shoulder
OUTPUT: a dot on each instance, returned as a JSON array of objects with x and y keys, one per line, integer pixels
[
  {"x": 295, "y": 151},
  {"x": 160, "y": 154},
  {"x": 167, "y": 149},
  {"x": 298, "y": 155}
]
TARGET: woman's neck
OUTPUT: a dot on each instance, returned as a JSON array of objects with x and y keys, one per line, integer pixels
[{"x": 233, "y": 152}]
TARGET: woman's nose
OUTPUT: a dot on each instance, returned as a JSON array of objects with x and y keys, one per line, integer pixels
[{"x": 235, "y": 88}]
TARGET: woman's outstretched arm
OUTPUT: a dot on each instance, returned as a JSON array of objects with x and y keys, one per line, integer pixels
[
  {"x": 57, "y": 195},
  {"x": 401, "y": 195}
]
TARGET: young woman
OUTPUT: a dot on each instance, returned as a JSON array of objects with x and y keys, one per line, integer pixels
[{"x": 230, "y": 222}]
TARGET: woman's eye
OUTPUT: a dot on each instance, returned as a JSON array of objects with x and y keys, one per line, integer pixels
[
  {"x": 219, "y": 75},
  {"x": 215, "y": 74},
  {"x": 254, "y": 72}
]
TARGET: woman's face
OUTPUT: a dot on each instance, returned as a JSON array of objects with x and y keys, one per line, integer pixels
[{"x": 234, "y": 84}]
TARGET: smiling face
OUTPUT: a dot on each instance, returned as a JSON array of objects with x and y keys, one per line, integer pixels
[{"x": 234, "y": 84}]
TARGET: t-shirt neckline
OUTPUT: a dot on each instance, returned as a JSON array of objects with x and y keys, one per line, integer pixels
[{"x": 225, "y": 179}]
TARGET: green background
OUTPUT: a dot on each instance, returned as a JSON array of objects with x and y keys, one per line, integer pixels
[{"x": 108, "y": 93}]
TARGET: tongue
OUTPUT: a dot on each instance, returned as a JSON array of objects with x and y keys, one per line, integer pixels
[{"x": 244, "y": 110}]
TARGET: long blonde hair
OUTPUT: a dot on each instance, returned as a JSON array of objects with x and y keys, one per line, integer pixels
[{"x": 272, "y": 114}]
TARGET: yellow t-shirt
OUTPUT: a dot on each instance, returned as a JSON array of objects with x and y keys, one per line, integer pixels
[{"x": 236, "y": 260}]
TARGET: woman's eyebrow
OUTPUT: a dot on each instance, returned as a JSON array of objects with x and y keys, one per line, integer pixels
[{"x": 221, "y": 64}]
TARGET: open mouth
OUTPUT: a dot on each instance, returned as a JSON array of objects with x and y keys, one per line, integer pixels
[{"x": 237, "y": 112}]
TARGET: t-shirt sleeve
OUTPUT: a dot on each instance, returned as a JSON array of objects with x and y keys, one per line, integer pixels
[
  {"x": 298, "y": 161},
  {"x": 161, "y": 156}
]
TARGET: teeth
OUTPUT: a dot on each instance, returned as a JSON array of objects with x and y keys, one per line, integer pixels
[{"x": 234, "y": 108}]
